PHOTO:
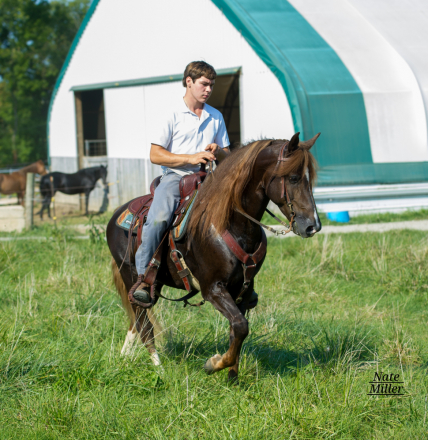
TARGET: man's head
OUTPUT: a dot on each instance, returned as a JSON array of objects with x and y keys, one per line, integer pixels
[{"x": 199, "y": 78}]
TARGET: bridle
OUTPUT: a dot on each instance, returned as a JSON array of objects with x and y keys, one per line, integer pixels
[{"x": 284, "y": 192}]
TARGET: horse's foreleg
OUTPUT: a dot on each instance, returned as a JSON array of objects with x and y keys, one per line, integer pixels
[
  {"x": 233, "y": 370},
  {"x": 87, "y": 202},
  {"x": 146, "y": 330},
  {"x": 223, "y": 302}
]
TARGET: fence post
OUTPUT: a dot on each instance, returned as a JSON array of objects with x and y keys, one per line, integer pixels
[{"x": 29, "y": 197}]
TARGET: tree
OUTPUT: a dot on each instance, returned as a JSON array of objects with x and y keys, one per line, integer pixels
[{"x": 35, "y": 37}]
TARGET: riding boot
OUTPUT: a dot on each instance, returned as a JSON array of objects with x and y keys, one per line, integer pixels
[{"x": 140, "y": 292}]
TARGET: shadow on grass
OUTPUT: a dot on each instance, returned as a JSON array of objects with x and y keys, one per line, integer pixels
[{"x": 334, "y": 348}]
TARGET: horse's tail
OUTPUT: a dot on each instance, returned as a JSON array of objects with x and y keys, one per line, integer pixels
[{"x": 123, "y": 292}]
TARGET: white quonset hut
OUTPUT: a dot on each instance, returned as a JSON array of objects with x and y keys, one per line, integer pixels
[{"x": 355, "y": 70}]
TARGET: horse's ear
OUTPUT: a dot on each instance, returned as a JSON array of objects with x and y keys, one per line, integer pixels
[
  {"x": 307, "y": 145},
  {"x": 293, "y": 145}
]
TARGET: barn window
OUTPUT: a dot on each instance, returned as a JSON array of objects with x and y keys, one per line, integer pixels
[{"x": 90, "y": 122}]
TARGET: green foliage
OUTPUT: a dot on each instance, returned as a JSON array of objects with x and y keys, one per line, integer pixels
[
  {"x": 96, "y": 233},
  {"x": 35, "y": 37},
  {"x": 333, "y": 309}
]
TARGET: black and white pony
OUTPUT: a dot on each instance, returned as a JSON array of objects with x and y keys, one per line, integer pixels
[{"x": 77, "y": 183}]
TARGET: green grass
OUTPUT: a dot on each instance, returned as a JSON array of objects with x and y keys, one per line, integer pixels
[
  {"x": 332, "y": 311},
  {"x": 386, "y": 217}
]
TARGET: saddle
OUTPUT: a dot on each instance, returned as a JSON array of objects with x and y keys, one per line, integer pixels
[{"x": 134, "y": 218}]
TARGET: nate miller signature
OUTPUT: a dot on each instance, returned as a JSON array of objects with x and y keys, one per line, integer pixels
[{"x": 386, "y": 385}]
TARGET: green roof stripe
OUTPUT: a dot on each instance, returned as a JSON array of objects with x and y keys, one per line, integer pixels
[
  {"x": 145, "y": 81},
  {"x": 322, "y": 93}
]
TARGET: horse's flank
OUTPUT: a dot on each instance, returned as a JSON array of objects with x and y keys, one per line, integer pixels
[{"x": 224, "y": 190}]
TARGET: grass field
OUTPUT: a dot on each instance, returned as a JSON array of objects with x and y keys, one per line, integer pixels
[{"x": 333, "y": 310}]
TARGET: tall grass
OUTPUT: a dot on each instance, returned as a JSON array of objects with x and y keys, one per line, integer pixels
[{"x": 332, "y": 311}]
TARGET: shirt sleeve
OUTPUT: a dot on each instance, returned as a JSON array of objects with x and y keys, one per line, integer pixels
[
  {"x": 161, "y": 133},
  {"x": 221, "y": 138}
]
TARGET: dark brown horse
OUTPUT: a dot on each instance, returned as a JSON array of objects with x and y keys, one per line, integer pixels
[{"x": 245, "y": 180}]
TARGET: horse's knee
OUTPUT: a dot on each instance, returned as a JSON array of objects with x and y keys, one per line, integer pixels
[{"x": 240, "y": 328}]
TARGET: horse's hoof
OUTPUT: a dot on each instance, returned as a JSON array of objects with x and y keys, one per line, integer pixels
[
  {"x": 209, "y": 366},
  {"x": 233, "y": 379}
]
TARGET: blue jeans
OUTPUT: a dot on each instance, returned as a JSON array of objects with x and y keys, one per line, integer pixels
[{"x": 160, "y": 218}]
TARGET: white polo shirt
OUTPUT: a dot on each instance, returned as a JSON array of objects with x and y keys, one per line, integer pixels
[{"x": 182, "y": 132}]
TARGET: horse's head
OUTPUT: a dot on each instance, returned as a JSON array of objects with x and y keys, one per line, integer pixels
[
  {"x": 288, "y": 183},
  {"x": 40, "y": 168}
]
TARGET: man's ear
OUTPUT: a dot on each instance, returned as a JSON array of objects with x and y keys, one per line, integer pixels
[
  {"x": 307, "y": 145},
  {"x": 293, "y": 145}
]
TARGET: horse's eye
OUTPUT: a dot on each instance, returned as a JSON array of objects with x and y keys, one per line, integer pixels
[{"x": 294, "y": 179}]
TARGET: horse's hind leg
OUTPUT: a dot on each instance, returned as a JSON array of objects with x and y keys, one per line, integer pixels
[
  {"x": 220, "y": 298},
  {"x": 145, "y": 328}
]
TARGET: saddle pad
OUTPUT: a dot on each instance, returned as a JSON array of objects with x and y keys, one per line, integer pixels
[
  {"x": 180, "y": 230},
  {"x": 125, "y": 219}
]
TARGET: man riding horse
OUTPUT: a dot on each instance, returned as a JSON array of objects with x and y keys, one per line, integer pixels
[{"x": 192, "y": 133}]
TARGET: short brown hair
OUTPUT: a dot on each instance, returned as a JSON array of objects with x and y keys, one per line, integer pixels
[{"x": 197, "y": 69}]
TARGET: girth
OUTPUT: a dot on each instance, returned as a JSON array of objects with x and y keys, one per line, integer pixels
[{"x": 249, "y": 261}]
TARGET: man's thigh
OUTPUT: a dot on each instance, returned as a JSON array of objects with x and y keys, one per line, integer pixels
[{"x": 166, "y": 198}]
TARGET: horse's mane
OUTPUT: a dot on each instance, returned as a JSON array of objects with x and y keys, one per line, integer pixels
[{"x": 222, "y": 192}]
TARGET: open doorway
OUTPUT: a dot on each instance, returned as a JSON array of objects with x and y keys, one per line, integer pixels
[
  {"x": 90, "y": 127},
  {"x": 225, "y": 98}
]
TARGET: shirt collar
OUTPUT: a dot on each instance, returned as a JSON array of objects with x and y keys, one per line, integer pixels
[{"x": 185, "y": 109}]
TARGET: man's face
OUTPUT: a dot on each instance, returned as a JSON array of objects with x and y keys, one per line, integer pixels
[{"x": 201, "y": 89}]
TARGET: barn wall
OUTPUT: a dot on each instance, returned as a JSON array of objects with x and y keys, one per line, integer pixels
[
  {"x": 378, "y": 46},
  {"x": 128, "y": 179},
  {"x": 107, "y": 53},
  {"x": 128, "y": 45}
]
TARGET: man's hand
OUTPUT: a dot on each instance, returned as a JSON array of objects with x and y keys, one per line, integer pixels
[
  {"x": 214, "y": 148},
  {"x": 202, "y": 157}
]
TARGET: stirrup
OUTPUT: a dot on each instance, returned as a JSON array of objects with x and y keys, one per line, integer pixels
[{"x": 140, "y": 293}]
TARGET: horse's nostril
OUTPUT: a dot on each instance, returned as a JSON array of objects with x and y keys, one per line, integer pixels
[{"x": 310, "y": 230}]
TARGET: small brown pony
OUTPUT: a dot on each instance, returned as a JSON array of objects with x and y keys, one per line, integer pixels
[
  {"x": 15, "y": 182},
  {"x": 246, "y": 180}
]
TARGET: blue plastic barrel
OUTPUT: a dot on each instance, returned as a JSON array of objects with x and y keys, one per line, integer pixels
[{"x": 341, "y": 216}]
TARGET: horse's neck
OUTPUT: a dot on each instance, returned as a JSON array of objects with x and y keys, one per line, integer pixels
[
  {"x": 98, "y": 174},
  {"x": 254, "y": 203},
  {"x": 33, "y": 168}
]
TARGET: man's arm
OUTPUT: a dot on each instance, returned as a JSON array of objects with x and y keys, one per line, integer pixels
[{"x": 161, "y": 156}]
